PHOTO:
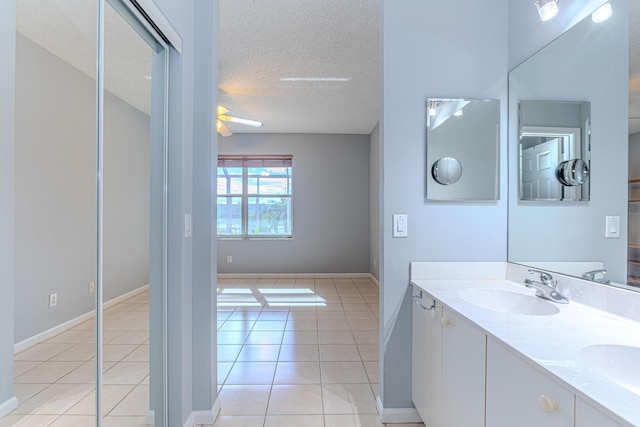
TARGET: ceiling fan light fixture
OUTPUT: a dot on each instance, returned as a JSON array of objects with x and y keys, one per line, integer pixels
[
  {"x": 241, "y": 121},
  {"x": 602, "y": 13},
  {"x": 547, "y": 9},
  {"x": 315, "y": 79}
]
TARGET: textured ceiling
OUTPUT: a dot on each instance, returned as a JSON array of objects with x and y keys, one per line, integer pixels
[
  {"x": 260, "y": 43},
  {"x": 264, "y": 41}
]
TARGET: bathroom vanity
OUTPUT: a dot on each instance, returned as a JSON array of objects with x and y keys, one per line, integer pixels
[{"x": 488, "y": 352}]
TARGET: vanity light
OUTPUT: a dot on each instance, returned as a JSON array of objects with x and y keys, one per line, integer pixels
[
  {"x": 602, "y": 13},
  {"x": 432, "y": 109},
  {"x": 547, "y": 9}
]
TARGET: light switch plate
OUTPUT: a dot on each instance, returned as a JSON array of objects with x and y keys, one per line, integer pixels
[
  {"x": 187, "y": 226},
  {"x": 612, "y": 227},
  {"x": 400, "y": 225}
]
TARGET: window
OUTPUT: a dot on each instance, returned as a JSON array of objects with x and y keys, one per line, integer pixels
[{"x": 254, "y": 197}]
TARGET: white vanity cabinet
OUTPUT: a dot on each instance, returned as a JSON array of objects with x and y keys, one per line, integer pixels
[
  {"x": 426, "y": 359},
  {"x": 448, "y": 361},
  {"x": 463, "y": 371},
  {"x": 588, "y": 416},
  {"x": 520, "y": 395}
]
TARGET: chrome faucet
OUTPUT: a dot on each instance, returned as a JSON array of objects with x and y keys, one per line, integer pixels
[
  {"x": 591, "y": 275},
  {"x": 546, "y": 287}
]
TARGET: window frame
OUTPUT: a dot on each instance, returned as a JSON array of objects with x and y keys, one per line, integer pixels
[{"x": 245, "y": 163}]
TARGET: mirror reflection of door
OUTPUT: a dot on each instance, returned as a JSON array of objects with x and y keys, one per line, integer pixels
[
  {"x": 538, "y": 171},
  {"x": 126, "y": 178}
]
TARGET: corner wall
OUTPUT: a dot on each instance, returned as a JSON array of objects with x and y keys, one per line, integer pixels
[
  {"x": 453, "y": 49},
  {"x": 375, "y": 176},
  {"x": 330, "y": 206},
  {"x": 7, "y": 201}
]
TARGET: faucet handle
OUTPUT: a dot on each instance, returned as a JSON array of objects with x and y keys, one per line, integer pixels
[
  {"x": 591, "y": 275},
  {"x": 544, "y": 276}
]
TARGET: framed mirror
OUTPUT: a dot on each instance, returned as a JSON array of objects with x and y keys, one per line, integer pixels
[
  {"x": 462, "y": 149},
  {"x": 583, "y": 71},
  {"x": 554, "y": 150}
]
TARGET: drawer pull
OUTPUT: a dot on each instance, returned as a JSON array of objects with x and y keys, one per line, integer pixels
[
  {"x": 547, "y": 404},
  {"x": 415, "y": 300}
]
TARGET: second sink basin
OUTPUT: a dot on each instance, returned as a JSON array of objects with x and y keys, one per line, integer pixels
[
  {"x": 508, "y": 302},
  {"x": 619, "y": 363}
]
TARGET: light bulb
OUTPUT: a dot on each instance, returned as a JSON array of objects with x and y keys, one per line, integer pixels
[
  {"x": 602, "y": 13},
  {"x": 547, "y": 9}
]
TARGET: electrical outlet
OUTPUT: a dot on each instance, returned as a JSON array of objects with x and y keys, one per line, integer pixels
[
  {"x": 53, "y": 300},
  {"x": 229, "y": 259},
  {"x": 92, "y": 287}
]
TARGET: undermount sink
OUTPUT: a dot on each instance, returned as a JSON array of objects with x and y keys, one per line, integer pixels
[
  {"x": 619, "y": 363},
  {"x": 508, "y": 302}
]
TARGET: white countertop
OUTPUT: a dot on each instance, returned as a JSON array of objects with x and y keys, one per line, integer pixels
[{"x": 553, "y": 342}]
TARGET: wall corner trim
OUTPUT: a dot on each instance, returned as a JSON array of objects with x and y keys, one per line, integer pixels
[
  {"x": 8, "y": 406},
  {"x": 207, "y": 417},
  {"x": 397, "y": 415}
]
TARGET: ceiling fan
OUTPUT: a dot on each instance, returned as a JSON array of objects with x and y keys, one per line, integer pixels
[{"x": 224, "y": 117}]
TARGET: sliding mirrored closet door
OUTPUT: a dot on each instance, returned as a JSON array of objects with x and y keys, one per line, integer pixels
[{"x": 131, "y": 218}]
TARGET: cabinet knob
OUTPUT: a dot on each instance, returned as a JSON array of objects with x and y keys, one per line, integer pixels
[
  {"x": 547, "y": 404},
  {"x": 445, "y": 321}
]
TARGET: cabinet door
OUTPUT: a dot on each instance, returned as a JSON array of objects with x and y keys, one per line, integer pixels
[
  {"x": 517, "y": 392},
  {"x": 463, "y": 371},
  {"x": 588, "y": 416},
  {"x": 426, "y": 358}
]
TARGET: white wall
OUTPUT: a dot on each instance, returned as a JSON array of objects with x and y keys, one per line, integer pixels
[
  {"x": 55, "y": 192},
  {"x": 453, "y": 49},
  {"x": 330, "y": 206},
  {"x": 7, "y": 202}
]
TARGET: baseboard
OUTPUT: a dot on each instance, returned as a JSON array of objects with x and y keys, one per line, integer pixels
[
  {"x": 397, "y": 415},
  {"x": 7, "y": 406},
  {"x": 189, "y": 422},
  {"x": 43, "y": 336},
  {"x": 291, "y": 275},
  {"x": 195, "y": 418},
  {"x": 374, "y": 280}
]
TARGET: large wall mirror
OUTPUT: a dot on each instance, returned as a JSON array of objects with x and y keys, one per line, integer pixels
[
  {"x": 462, "y": 149},
  {"x": 585, "y": 73}
]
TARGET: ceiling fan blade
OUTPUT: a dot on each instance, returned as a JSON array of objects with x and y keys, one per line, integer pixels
[
  {"x": 240, "y": 120},
  {"x": 223, "y": 129}
]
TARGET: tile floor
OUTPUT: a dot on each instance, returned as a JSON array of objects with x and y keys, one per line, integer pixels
[
  {"x": 298, "y": 352},
  {"x": 54, "y": 380},
  {"x": 291, "y": 352}
]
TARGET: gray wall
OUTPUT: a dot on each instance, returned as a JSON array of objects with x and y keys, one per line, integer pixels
[
  {"x": 7, "y": 203},
  {"x": 423, "y": 58},
  {"x": 585, "y": 57},
  {"x": 375, "y": 177},
  {"x": 330, "y": 206},
  {"x": 55, "y": 192}
]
